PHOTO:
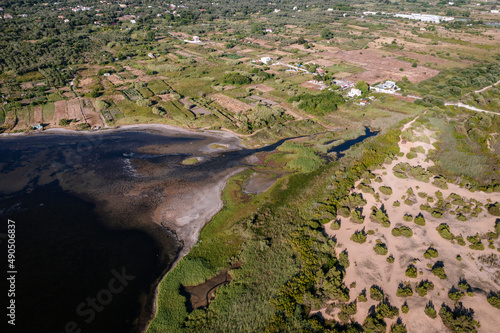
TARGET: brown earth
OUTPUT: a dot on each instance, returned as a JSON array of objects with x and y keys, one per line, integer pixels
[
  {"x": 230, "y": 103},
  {"x": 26, "y": 85},
  {"x": 167, "y": 97},
  {"x": 263, "y": 88},
  {"x": 74, "y": 109},
  {"x": 379, "y": 68},
  {"x": 61, "y": 111},
  {"x": 37, "y": 115},
  {"x": 84, "y": 83},
  {"x": 115, "y": 79}
]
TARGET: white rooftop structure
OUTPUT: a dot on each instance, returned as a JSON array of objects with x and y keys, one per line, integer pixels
[
  {"x": 266, "y": 60},
  {"x": 354, "y": 92},
  {"x": 388, "y": 87},
  {"x": 425, "y": 17}
]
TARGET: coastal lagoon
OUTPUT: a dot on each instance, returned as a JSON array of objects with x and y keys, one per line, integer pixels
[
  {"x": 89, "y": 252},
  {"x": 102, "y": 216}
]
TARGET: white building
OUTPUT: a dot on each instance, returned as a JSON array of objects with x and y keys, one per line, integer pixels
[
  {"x": 266, "y": 60},
  {"x": 354, "y": 93},
  {"x": 388, "y": 87},
  {"x": 425, "y": 17}
]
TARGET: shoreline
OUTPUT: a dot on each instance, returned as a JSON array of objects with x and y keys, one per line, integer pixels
[
  {"x": 187, "y": 226},
  {"x": 187, "y": 244},
  {"x": 121, "y": 128}
]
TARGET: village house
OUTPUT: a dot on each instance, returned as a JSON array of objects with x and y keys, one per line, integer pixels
[
  {"x": 343, "y": 84},
  {"x": 354, "y": 93},
  {"x": 266, "y": 60},
  {"x": 388, "y": 87}
]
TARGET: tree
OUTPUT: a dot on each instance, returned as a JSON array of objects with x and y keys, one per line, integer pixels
[
  {"x": 256, "y": 28},
  {"x": 150, "y": 36},
  {"x": 64, "y": 122},
  {"x": 362, "y": 85},
  {"x": 326, "y": 34}
]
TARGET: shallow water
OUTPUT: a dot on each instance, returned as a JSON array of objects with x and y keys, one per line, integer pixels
[
  {"x": 83, "y": 206},
  {"x": 84, "y": 209}
]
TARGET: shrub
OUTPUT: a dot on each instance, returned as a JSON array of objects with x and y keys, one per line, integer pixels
[
  {"x": 344, "y": 211},
  {"x": 385, "y": 310},
  {"x": 494, "y": 300},
  {"x": 444, "y": 231},
  {"x": 398, "y": 328},
  {"x": 374, "y": 325},
  {"x": 405, "y": 308},
  {"x": 380, "y": 248},
  {"x": 411, "y": 271},
  {"x": 419, "y": 220},
  {"x": 385, "y": 190},
  {"x": 380, "y": 216},
  {"x": 431, "y": 253},
  {"x": 396, "y": 232},
  {"x": 404, "y": 290},
  {"x": 356, "y": 216},
  {"x": 396, "y": 203},
  {"x": 423, "y": 287},
  {"x": 406, "y": 232},
  {"x": 439, "y": 272},
  {"x": 390, "y": 259},
  {"x": 437, "y": 214},
  {"x": 376, "y": 294},
  {"x": 430, "y": 311},
  {"x": 362, "y": 298},
  {"x": 459, "y": 257},
  {"x": 475, "y": 243},
  {"x": 440, "y": 182},
  {"x": 494, "y": 209},
  {"x": 335, "y": 225},
  {"x": 460, "y": 240},
  {"x": 456, "y": 295},
  {"x": 358, "y": 237},
  {"x": 235, "y": 79},
  {"x": 64, "y": 122},
  {"x": 459, "y": 320},
  {"x": 347, "y": 310},
  {"x": 407, "y": 217},
  {"x": 319, "y": 105}
]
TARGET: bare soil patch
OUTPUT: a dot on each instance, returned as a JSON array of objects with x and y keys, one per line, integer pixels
[
  {"x": 115, "y": 79},
  {"x": 61, "y": 111},
  {"x": 37, "y": 115},
  {"x": 85, "y": 83},
  {"x": 26, "y": 85},
  {"x": 230, "y": 103},
  {"x": 311, "y": 85},
  {"x": 263, "y": 88},
  {"x": 74, "y": 109},
  {"x": 380, "y": 69}
]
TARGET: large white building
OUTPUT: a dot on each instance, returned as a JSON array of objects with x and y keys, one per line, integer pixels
[{"x": 425, "y": 17}]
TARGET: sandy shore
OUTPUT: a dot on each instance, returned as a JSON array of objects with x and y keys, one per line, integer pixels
[
  {"x": 368, "y": 268},
  {"x": 138, "y": 127}
]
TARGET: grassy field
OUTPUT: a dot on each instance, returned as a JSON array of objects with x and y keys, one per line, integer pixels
[{"x": 48, "y": 112}]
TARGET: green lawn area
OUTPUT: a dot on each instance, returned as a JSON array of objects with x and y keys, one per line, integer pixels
[{"x": 48, "y": 112}]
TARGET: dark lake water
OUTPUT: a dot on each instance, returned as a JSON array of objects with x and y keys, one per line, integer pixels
[{"x": 88, "y": 253}]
